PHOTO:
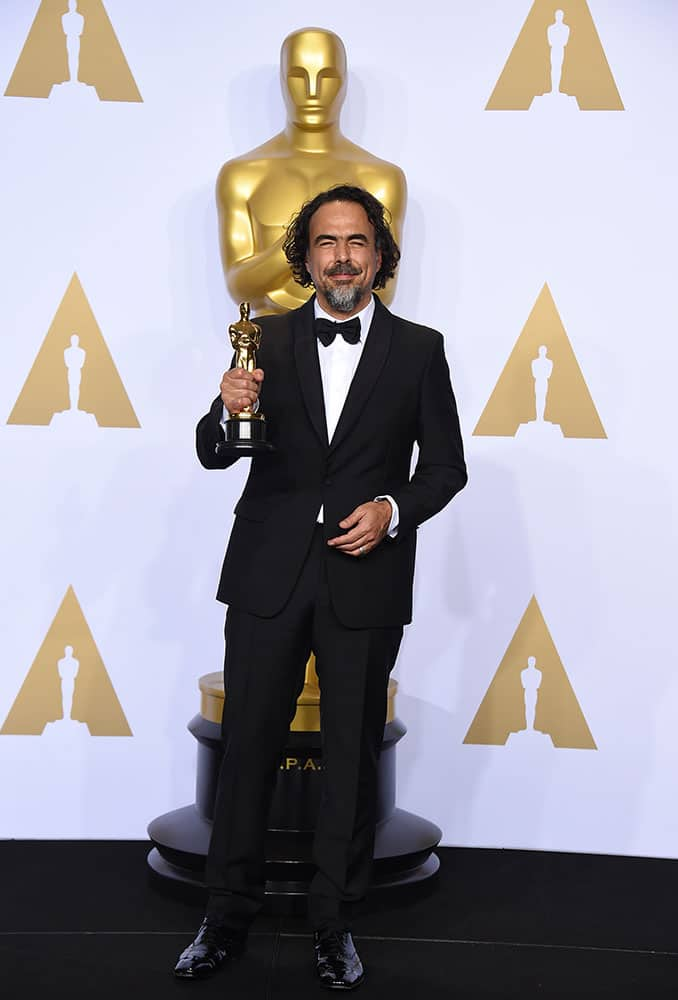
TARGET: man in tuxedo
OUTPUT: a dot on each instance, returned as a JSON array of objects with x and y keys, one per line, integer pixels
[{"x": 321, "y": 557}]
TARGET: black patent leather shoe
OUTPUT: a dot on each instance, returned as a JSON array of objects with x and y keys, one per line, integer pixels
[
  {"x": 213, "y": 947},
  {"x": 337, "y": 962}
]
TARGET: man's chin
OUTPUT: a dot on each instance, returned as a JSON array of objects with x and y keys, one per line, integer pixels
[{"x": 344, "y": 299}]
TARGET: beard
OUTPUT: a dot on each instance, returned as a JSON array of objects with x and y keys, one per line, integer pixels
[{"x": 343, "y": 298}]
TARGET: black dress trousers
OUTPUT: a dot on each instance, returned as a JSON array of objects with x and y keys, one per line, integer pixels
[{"x": 264, "y": 670}]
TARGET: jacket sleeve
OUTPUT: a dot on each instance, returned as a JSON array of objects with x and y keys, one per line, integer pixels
[
  {"x": 208, "y": 434},
  {"x": 440, "y": 472}
]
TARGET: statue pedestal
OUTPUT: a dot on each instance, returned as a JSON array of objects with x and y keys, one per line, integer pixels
[{"x": 404, "y": 845}]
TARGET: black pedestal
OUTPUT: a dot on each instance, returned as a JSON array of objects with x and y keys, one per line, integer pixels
[{"x": 404, "y": 845}]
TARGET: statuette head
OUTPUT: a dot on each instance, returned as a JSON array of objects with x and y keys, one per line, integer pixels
[{"x": 313, "y": 77}]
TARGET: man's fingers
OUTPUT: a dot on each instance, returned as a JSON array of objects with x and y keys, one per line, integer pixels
[
  {"x": 240, "y": 382},
  {"x": 238, "y": 392},
  {"x": 240, "y": 388},
  {"x": 356, "y": 535},
  {"x": 360, "y": 529},
  {"x": 229, "y": 394},
  {"x": 364, "y": 531},
  {"x": 234, "y": 374},
  {"x": 235, "y": 403},
  {"x": 354, "y": 548},
  {"x": 353, "y": 517}
]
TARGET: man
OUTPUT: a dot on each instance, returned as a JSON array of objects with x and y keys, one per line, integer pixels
[{"x": 321, "y": 557}]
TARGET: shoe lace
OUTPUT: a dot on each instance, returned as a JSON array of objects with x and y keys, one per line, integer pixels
[
  {"x": 217, "y": 936},
  {"x": 334, "y": 943}
]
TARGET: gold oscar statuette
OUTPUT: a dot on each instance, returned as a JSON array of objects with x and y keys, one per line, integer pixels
[{"x": 246, "y": 430}]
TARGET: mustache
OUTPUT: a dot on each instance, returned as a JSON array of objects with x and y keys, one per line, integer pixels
[{"x": 342, "y": 269}]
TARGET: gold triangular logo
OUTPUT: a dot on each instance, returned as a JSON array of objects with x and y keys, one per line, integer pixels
[
  {"x": 67, "y": 689},
  {"x": 557, "y": 62},
  {"x": 541, "y": 393},
  {"x": 74, "y": 381},
  {"x": 72, "y": 53},
  {"x": 530, "y": 701}
]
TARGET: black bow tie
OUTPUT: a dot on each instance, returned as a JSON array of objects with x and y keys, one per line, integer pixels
[{"x": 326, "y": 331}]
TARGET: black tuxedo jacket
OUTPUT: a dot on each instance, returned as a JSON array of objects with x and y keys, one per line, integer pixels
[{"x": 400, "y": 394}]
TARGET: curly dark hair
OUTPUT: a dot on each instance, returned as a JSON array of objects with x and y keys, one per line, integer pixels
[{"x": 295, "y": 246}]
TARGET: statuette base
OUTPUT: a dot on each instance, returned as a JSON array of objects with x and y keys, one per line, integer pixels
[{"x": 245, "y": 434}]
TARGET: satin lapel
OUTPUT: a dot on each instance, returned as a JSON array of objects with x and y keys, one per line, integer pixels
[
  {"x": 369, "y": 368},
  {"x": 308, "y": 368}
]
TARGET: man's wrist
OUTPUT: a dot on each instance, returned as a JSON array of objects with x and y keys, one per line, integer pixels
[
  {"x": 392, "y": 529},
  {"x": 382, "y": 501}
]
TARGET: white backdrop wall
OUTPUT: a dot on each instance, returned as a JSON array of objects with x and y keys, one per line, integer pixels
[{"x": 501, "y": 202}]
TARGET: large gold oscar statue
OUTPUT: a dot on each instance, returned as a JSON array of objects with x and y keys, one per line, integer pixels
[{"x": 259, "y": 192}]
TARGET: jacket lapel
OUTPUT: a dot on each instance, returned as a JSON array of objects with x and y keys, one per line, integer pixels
[
  {"x": 369, "y": 368},
  {"x": 308, "y": 368}
]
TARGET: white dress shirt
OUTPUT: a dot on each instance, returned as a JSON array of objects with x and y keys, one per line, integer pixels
[{"x": 338, "y": 363}]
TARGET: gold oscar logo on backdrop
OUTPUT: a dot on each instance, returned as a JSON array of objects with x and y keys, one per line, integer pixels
[
  {"x": 557, "y": 62},
  {"x": 67, "y": 690},
  {"x": 530, "y": 701},
  {"x": 541, "y": 393},
  {"x": 72, "y": 52},
  {"x": 74, "y": 382}
]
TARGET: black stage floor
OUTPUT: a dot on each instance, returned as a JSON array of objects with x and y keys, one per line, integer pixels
[{"x": 83, "y": 920}]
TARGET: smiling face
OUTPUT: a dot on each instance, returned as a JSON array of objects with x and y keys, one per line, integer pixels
[
  {"x": 313, "y": 77},
  {"x": 342, "y": 257}
]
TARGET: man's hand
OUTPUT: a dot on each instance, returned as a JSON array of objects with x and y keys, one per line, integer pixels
[
  {"x": 240, "y": 388},
  {"x": 367, "y": 526}
]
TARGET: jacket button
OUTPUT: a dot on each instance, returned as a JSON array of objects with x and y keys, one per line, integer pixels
[{"x": 328, "y": 481}]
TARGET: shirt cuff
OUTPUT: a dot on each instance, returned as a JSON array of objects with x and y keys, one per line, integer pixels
[{"x": 395, "y": 515}]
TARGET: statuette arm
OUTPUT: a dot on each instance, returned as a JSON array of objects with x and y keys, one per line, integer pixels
[
  {"x": 255, "y": 272},
  {"x": 267, "y": 269}
]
